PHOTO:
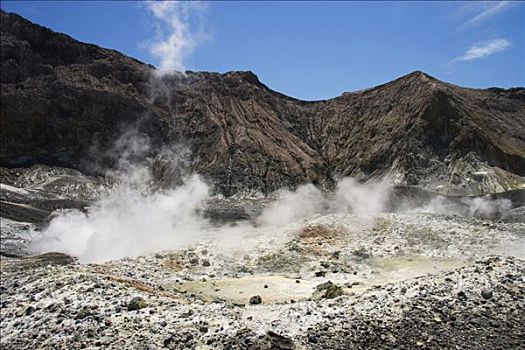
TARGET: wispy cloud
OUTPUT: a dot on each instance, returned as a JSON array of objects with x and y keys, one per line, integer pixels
[
  {"x": 483, "y": 49},
  {"x": 486, "y": 10},
  {"x": 177, "y": 35}
]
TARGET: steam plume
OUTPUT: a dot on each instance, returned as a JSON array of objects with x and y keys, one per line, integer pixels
[
  {"x": 176, "y": 36},
  {"x": 129, "y": 222}
]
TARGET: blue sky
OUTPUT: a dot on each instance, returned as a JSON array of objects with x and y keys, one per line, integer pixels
[{"x": 309, "y": 50}]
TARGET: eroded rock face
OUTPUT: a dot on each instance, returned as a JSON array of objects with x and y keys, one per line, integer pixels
[{"x": 65, "y": 103}]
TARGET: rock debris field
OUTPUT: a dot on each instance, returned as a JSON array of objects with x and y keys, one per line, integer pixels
[{"x": 403, "y": 281}]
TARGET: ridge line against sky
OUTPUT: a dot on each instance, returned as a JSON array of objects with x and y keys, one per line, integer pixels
[{"x": 308, "y": 50}]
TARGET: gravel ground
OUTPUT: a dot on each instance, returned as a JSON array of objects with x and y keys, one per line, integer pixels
[{"x": 404, "y": 281}]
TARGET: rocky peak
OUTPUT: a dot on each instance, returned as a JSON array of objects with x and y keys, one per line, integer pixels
[
  {"x": 419, "y": 75},
  {"x": 417, "y": 81},
  {"x": 247, "y": 76}
]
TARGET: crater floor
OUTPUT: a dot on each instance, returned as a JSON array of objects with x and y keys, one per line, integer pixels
[{"x": 326, "y": 282}]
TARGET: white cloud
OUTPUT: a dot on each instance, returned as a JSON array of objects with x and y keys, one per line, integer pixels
[
  {"x": 488, "y": 9},
  {"x": 177, "y": 36},
  {"x": 483, "y": 49}
]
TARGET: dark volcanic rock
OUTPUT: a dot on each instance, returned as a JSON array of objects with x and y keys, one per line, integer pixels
[
  {"x": 256, "y": 299},
  {"x": 36, "y": 261},
  {"x": 278, "y": 341},
  {"x": 65, "y": 102},
  {"x": 327, "y": 290},
  {"x": 137, "y": 303}
]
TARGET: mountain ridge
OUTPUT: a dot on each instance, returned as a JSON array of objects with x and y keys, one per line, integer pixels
[{"x": 65, "y": 103}]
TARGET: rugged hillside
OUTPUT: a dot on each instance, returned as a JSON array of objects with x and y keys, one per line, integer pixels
[
  {"x": 425, "y": 132},
  {"x": 84, "y": 97},
  {"x": 61, "y": 98},
  {"x": 65, "y": 103}
]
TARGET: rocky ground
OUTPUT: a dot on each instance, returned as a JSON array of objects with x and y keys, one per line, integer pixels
[{"x": 334, "y": 281}]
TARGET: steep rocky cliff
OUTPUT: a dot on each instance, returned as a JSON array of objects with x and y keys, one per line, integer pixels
[{"x": 65, "y": 103}]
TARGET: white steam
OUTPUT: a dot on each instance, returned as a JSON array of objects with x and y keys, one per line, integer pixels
[
  {"x": 480, "y": 206},
  {"x": 483, "y": 207},
  {"x": 365, "y": 201},
  {"x": 138, "y": 217},
  {"x": 129, "y": 222},
  {"x": 177, "y": 36},
  {"x": 292, "y": 206}
]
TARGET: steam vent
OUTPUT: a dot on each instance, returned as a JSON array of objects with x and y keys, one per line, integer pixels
[{"x": 147, "y": 207}]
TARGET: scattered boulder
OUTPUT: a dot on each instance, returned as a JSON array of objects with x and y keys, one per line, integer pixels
[
  {"x": 256, "y": 299},
  {"x": 29, "y": 310},
  {"x": 82, "y": 313},
  {"x": 486, "y": 294},
  {"x": 313, "y": 339},
  {"x": 280, "y": 342},
  {"x": 327, "y": 290},
  {"x": 137, "y": 303},
  {"x": 361, "y": 253}
]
